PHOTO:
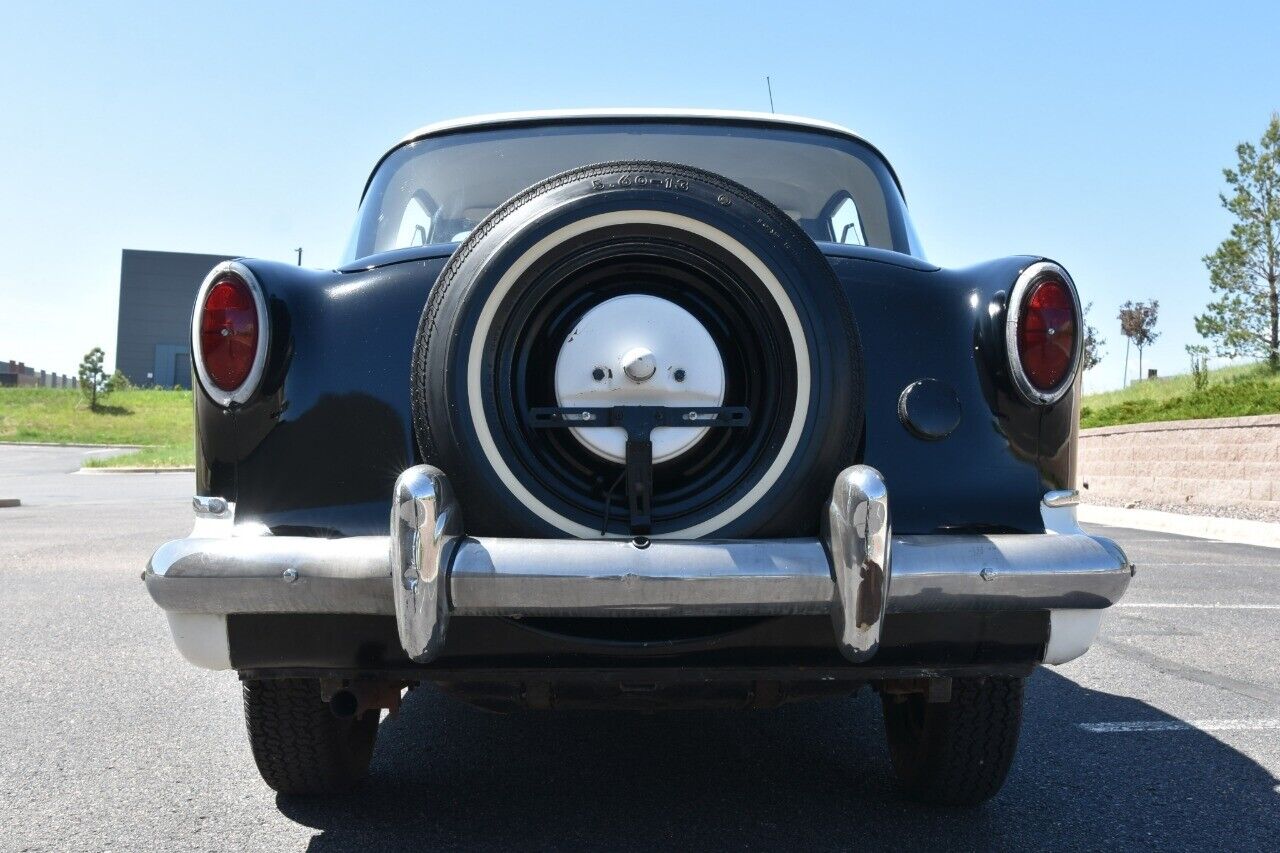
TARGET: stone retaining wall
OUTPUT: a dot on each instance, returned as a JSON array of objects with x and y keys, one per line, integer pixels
[{"x": 1215, "y": 461}]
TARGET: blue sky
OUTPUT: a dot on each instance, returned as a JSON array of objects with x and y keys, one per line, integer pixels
[{"x": 1092, "y": 134}]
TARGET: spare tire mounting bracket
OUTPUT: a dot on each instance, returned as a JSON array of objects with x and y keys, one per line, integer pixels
[{"x": 639, "y": 422}]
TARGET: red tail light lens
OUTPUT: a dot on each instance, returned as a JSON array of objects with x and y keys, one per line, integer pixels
[
  {"x": 1047, "y": 333},
  {"x": 228, "y": 332}
]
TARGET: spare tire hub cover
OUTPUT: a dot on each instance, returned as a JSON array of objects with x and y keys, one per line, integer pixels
[{"x": 639, "y": 350}]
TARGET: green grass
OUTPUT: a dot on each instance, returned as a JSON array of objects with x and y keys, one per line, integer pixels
[
  {"x": 161, "y": 420},
  {"x": 1232, "y": 392},
  {"x": 160, "y": 456}
]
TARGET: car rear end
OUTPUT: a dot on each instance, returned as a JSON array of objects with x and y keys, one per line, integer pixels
[{"x": 921, "y": 538}]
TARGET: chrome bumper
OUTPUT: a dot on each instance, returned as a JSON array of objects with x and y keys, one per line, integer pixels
[{"x": 856, "y": 571}]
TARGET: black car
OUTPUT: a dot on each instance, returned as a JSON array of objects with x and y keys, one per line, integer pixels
[{"x": 644, "y": 410}]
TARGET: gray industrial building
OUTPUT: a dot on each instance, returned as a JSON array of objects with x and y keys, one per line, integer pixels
[{"x": 157, "y": 291}]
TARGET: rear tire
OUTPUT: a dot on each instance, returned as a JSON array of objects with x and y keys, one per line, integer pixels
[
  {"x": 298, "y": 743},
  {"x": 955, "y": 753}
]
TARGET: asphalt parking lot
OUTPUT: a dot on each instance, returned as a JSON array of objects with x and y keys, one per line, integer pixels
[{"x": 1166, "y": 735}]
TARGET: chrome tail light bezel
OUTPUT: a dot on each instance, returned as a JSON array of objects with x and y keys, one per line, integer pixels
[
  {"x": 241, "y": 393},
  {"x": 1027, "y": 281}
]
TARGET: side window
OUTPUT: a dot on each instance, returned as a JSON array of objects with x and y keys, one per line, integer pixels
[
  {"x": 846, "y": 224},
  {"x": 415, "y": 225}
]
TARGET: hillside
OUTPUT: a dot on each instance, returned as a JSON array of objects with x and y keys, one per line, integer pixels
[{"x": 1231, "y": 392}]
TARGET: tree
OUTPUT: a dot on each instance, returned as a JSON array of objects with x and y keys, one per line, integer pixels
[
  {"x": 93, "y": 379},
  {"x": 1092, "y": 342},
  {"x": 1137, "y": 323},
  {"x": 1243, "y": 270}
]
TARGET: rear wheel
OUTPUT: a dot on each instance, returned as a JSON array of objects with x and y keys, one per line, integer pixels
[
  {"x": 299, "y": 745},
  {"x": 958, "y": 752}
]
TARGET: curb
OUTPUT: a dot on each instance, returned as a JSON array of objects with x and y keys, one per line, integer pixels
[
  {"x": 71, "y": 444},
  {"x": 124, "y": 470},
  {"x": 1237, "y": 530}
]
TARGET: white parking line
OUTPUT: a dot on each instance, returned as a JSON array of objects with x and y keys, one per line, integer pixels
[
  {"x": 1181, "y": 726},
  {"x": 1234, "y": 564},
  {"x": 1206, "y": 606}
]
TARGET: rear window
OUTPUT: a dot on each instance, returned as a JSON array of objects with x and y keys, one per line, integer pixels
[{"x": 437, "y": 189}]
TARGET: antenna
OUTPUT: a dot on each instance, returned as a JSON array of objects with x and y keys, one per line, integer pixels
[
  {"x": 299, "y": 251},
  {"x": 769, "y": 84}
]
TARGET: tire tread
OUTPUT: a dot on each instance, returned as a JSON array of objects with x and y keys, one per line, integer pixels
[
  {"x": 300, "y": 747},
  {"x": 968, "y": 744}
]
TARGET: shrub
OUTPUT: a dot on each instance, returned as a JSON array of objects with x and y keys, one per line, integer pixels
[
  {"x": 1199, "y": 366},
  {"x": 118, "y": 382}
]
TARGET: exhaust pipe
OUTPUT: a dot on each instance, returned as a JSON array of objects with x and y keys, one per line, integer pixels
[{"x": 344, "y": 704}]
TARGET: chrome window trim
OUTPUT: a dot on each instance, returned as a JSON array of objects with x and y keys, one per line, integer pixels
[
  {"x": 1013, "y": 313},
  {"x": 245, "y": 390}
]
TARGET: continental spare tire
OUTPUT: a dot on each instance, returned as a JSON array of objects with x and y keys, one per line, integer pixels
[{"x": 638, "y": 283}]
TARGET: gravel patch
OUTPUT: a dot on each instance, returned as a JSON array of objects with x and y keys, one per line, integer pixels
[{"x": 1246, "y": 512}]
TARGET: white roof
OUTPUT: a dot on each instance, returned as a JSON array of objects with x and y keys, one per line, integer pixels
[
  {"x": 743, "y": 116},
  {"x": 624, "y": 113}
]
